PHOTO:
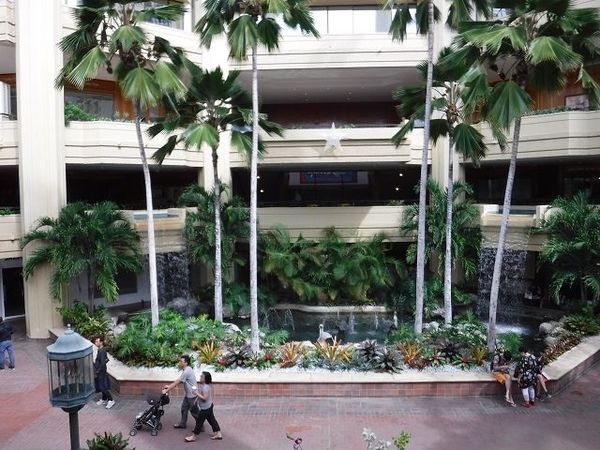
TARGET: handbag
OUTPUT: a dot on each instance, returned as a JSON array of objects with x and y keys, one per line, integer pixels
[{"x": 195, "y": 409}]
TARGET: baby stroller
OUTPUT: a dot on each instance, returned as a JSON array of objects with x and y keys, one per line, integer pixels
[{"x": 152, "y": 416}]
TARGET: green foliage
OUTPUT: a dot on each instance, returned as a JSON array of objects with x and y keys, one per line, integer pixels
[
  {"x": 400, "y": 442},
  {"x": 404, "y": 333},
  {"x": 208, "y": 351},
  {"x": 333, "y": 355},
  {"x": 583, "y": 325},
  {"x": 7, "y": 211},
  {"x": 510, "y": 341},
  {"x": 94, "y": 240},
  {"x": 466, "y": 235},
  {"x": 236, "y": 357},
  {"x": 463, "y": 361},
  {"x": 572, "y": 250},
  {"x": 479, "y": 354},
  {"x": 141, "y": 344},
  {"x": 386, "y": 359},
  {"x": 88, "y": 326},
  {"x": 413, "y": 353},
  {"x": 108, "y": 442},
  {"x": 351, "y": 273},
  {"x": 74, "y": 112}
]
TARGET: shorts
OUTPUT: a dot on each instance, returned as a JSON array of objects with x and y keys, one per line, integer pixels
[{"x": 500, "y": 377}]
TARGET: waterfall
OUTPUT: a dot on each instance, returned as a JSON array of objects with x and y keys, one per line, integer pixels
[
  {"x": 510, "y": 295},
  {"x": 173, "y": 276}
]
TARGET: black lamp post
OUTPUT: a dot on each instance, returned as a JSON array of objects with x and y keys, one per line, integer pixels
[{"x": 71, "y": 377}]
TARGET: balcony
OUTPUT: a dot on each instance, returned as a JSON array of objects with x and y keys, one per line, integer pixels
[
  {"x": 10, "y": 236},
  {"x": 7, "y": 21},
  {"x": 9, "y": 145},
  {"x": 568, "y": 135},
  {"x": 116, "y": 143},
  {"x": 352, "y": 222},
  {"x": 359, "y": 146}
]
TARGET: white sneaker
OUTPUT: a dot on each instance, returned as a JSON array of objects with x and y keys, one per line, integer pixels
[
  {"x": 110, "y": 404},
  {"x": 101, "y": 402}
]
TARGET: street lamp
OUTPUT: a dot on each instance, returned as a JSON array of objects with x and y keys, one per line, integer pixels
[{"x": 71, "y": 377}]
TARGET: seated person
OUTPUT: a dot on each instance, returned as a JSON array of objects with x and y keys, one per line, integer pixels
[{"x": 501, "y": 369}]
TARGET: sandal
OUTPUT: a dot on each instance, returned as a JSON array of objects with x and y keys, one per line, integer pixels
[
  {"x": 189, "y": 439},
  {"x": 217, "y": 438}
]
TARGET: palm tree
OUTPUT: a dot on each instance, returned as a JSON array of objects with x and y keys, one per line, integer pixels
[
  {"x": 97, "y": 240},
  {"x": 201, "y": 228},
  {"x": 214, "y": 105},
  {"x": 459, "y": 11},
  {"x": 573, "y": 247},
  {"x": 465, "y": 235},
  {"x": 458, "y": 91},
  {"x": 248, "y": 24},
  {"x": 537, "y": 46},
  {"x": 108, "y": 33}
]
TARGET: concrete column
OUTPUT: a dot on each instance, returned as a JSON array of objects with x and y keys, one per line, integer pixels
[{"x": 41, "y": 150}]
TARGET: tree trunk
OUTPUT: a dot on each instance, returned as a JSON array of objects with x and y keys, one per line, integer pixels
[
  {"x": 218, "y": 266},
  {"x": 150, "y": 218},
  {"x": 448, "y": 254},
  {"x": 254, "y": 336},
  {"x": 90, "y": 286},
  {"x": 420, "y": 282},
  {"x": 495, "y": 288}
]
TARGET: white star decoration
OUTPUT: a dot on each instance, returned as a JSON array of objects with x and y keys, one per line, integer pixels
[{"x": 333, "y": 139}]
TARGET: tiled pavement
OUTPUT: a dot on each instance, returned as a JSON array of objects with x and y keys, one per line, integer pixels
[{"x": 568, "y": 421}]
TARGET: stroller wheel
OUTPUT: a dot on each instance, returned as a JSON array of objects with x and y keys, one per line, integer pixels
[
  {"x": 154, "y": 432},
  {"x": 133, "y": 432},
  {"x": 159, "y": 426}
]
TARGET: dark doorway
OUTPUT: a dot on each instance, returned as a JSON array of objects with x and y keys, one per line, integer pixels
[{"x": 14, "y": 299}]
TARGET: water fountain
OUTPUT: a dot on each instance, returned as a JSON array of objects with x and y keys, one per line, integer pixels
[
  {"x": 348, "y": 326},
  {"x": 510, "y": 295},
  {"x": 173, "y": 276}
]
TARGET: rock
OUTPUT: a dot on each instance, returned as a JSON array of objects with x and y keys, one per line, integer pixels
[
  {"x": 187, "y": 307},
  {"x": 550, "y": 341},
  {"x": 546, "y": 328}
]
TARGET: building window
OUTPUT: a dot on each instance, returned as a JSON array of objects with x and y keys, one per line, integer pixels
[{"x": 101, "y": 105}]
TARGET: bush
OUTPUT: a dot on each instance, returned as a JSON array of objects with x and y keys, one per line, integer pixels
[
  {"x": 76, "y": 112},
  {"x": 88, "y": 326},
  {"x": 108, "y": 442}
]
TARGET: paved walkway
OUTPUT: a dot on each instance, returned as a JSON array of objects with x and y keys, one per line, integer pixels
[{"x": 568, "y": 421}]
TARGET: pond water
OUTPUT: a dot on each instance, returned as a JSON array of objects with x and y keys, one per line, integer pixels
[{"x": 358, "y": 326}]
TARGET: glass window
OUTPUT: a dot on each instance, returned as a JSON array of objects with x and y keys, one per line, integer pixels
[{"x": 101, "y": 105}]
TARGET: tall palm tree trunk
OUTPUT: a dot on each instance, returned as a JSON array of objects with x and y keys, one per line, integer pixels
[
  {"x": 150, "y": 217},
  {"x": 218, "y": 232},
  {"x": 495, "y": 288},
  {"x": 254, "y": 336},
  {"x": 448, "y": 254},
  {"x": 420, "y": 282},
  {"x": 90, "y": 286}
]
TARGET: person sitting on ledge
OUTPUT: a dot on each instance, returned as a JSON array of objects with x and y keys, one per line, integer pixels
[{"x": 501, "y": 370}]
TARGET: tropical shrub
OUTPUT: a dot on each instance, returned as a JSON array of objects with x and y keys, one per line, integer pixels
[
  {"x": 582, "y": 324},
  {"x": 88, "y": 326},
  {"x": 142, "y": 344},
  {"x": 108, "y": 441},
  {"x": 400, "y": 441}
]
